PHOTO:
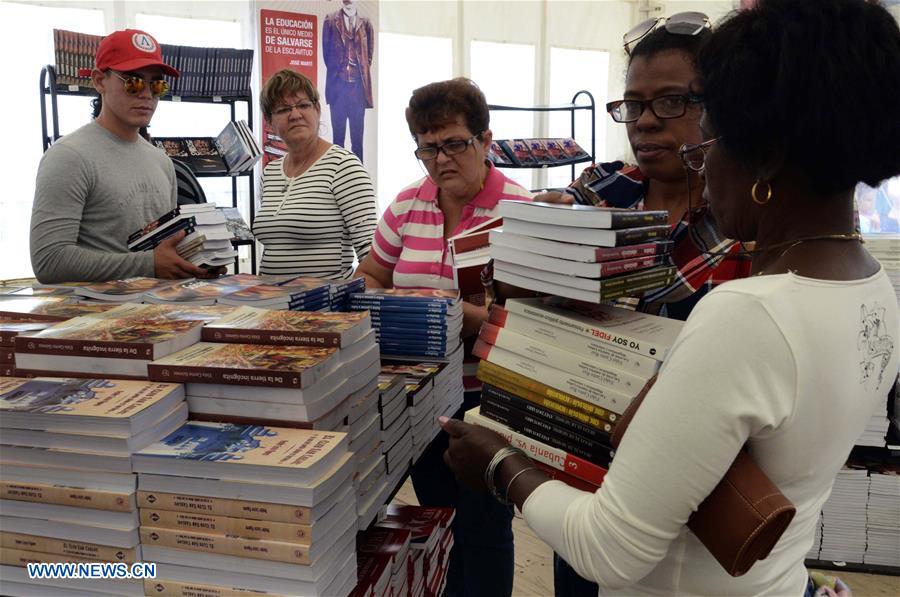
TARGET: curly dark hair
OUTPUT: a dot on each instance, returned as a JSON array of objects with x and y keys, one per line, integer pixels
[
  {"x": 811, "y": 86},
  {"x": 438, "y": 104},
  {"x": 660, "y": 40}
]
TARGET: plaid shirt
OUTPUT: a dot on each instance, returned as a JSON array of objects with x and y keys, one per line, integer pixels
[{"x": 616, "y": 185}]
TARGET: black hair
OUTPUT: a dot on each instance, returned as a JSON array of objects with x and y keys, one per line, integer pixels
[
  {"x": 660, "y": 40},
  {"x": 810, "y": 86},
  {"x": 438, "y": 104}
]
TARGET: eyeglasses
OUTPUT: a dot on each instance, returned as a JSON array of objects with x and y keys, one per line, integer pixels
[
  {"x": 664, "y": 106},
  {"x": 303, "y": 106},
  {"x": 683, "y": 23},
  {"x": 694, "y": 155},
  {"x": 452, "y": 147},
  {"x": 135, "y": 84}
]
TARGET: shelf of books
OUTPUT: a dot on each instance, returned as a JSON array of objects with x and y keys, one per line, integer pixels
[
  {"x": 546, "y": 153},
  {"x": 242, "y": 434}
]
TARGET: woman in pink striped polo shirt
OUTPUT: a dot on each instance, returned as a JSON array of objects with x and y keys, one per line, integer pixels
[{"x": 449, "y": 122}]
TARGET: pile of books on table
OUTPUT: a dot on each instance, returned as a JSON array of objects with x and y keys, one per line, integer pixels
[
  {"x": 119, "y": 342},
  {"x": 883, "y": 517},
  {"x": 295, "y": 293},
  {"x": 396, "y": 435},
  {"x": 844, "y": 517},
  {"x": 557, "y": 374},
  {"x": 406, "y": 552},
  {"x": 581, "y": 252},
  {"x": 413, "y": 322},
  {"x": 66, "y": 483},
  {"x": 296, "y": 369},
  {"x": 207, "y": 240},
  {"x": 341, "y": 291},
  {"x": 249, "y": 507}
]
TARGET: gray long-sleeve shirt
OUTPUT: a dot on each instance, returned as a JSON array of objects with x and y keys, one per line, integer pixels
[{"x": 94, "y": 189}]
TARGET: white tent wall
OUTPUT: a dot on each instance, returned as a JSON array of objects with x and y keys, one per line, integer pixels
[{"x": 573, "y": 24}]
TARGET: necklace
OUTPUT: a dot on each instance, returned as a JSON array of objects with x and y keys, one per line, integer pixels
[{"x": 790, "y": 244}]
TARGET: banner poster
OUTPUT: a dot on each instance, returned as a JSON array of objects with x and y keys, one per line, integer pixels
[{"x": 333, "y": 43}]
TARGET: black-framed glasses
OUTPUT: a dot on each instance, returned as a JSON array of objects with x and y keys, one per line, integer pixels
[
  {"x": 134, "y": 84},
  {"x": 303, "y": 106},
  {"x": 693, "y": 156},
  {"x": 452, "y": 147},
  {"x": 664, "y": 106},
  {"x": 682, "y": 23}
]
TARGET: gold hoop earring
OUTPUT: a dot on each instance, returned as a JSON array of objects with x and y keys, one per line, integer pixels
[{"x": 756, "y": 199}]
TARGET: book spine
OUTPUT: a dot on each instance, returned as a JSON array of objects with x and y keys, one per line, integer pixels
[
  {"x": 630, "y": 251},
  {"x": 637, "y": 219},
  {"x": 162, "y": 587},
  {"x": 273, "y": 551},
  {"x": 543, "y": 395},
  {"x": 564, "y": 360},
  {"x": 571, "y": 384},
  {"x": 610, "y": 337},
  {"x": 64, "y": 547},
  {"x": 507, "y": 400},
  {"x": 552, "y": 436},
  {"x": 636, "y": 279},
  {"x": 192, "y": 374},
  {"x": 225, "y": 525},
  {"x": 581, "y": 343},
  {"x": 67, "y": 496},
  {"x": 7, "y": 357},
  {"x": 612, "y": 268},
  {"x": 633, "y": 236},
  {"x": 21, "y": 557},
  {"x": 279, "y": 337},
  {"x": 558, "y": 475},
  {"x": 558, "y": 459},
  {"x": 224, "y": 507},
  {"x": 84, "y": 348}
]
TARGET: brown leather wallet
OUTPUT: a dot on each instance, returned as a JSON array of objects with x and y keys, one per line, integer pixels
[{"x": 744, "y": 516}]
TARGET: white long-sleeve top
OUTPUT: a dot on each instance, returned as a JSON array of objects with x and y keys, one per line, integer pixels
[{"x": 793, "y": 366}]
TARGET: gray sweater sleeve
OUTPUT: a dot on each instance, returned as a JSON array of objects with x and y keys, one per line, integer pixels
[{"x": 64, "y": 182}]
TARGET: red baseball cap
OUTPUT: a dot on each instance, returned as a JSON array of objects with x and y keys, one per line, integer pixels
[{"x": 131, "y": 50}]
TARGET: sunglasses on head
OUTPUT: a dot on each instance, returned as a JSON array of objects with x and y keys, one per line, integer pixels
[
  {"x": 682, "y": 23},
  {"x": 135, "y": 84}
]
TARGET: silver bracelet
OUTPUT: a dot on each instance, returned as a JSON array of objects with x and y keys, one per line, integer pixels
[
  {"x": 514, "y": 477},
  {"x": 491, "y": 470}
]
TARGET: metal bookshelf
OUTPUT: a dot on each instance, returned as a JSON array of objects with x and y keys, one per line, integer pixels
[
  {"x": 572, "y": 108},
  {"x": 50, "y": 91}
]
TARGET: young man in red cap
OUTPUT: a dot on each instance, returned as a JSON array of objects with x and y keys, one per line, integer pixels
[{"x": 102, "y": 182}]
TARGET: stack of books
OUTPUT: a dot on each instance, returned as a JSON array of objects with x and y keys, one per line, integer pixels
[
  {"x": 433, "y": 389},
  {"x": 298, "y": 294},
  {"x": 209, "y": 72},
  {"x": 238, "y": 147},
  {"x": 412, "y": 323},
  {"x": 843, "y": 518},
  {"x": 74, "y": 53},
  {"x": 207, "y": 242},
  {"x": 395, "y": 425},
  {"x": 883, "y": 518},
  {"x": 119, "y": 345},
  {"x": 9, "y": 329},
  {"x": 382, "y": 562},
  {"x": 366, "y": 442},
  {"x": 128, "y": 290},
  {"x": 876, "y": 430},
  {"x": 341, "y": 291},
  {"x": 51, "y": 308},
  {"x": 250, "y": 508},
  {"x": 564, "y": 255},
  {"x": 535, "y": 153},
  {"x": 66, "y": 482},
  {"x": 431, "y": 539},
  {"x": 557, "y": 374},
  {"x": 202, "y": 292}
]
